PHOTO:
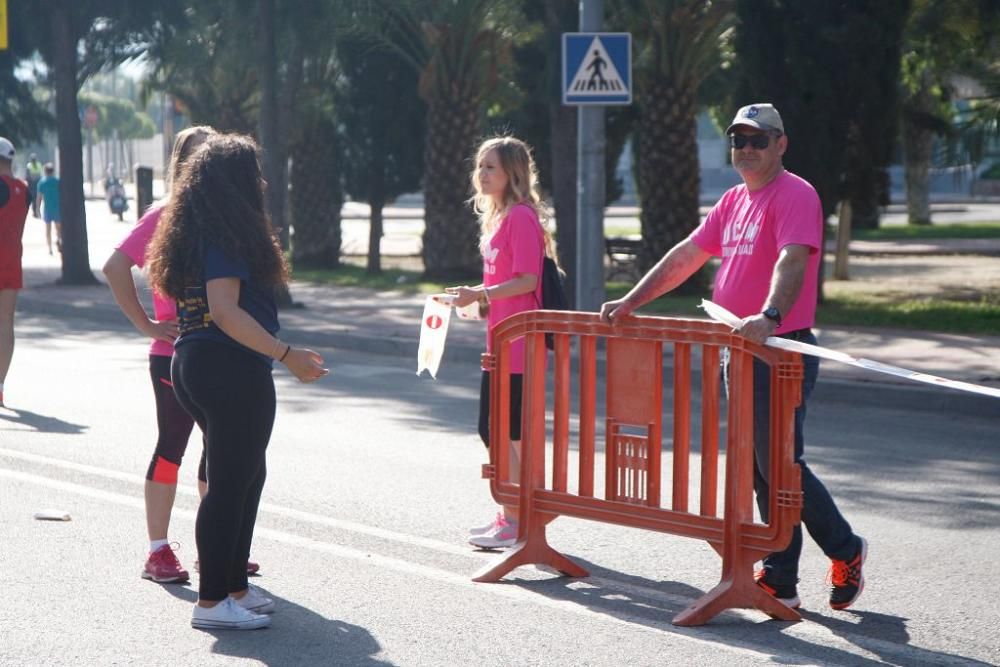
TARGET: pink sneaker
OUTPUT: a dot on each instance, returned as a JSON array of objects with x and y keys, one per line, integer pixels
[
  {"x": 163, "y": 567},
  {"x": 482, "y": 530},
  {"x": 503, "y": 534}
]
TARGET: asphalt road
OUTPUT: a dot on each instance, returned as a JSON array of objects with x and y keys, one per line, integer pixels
[{"x": 373, "y": 480}]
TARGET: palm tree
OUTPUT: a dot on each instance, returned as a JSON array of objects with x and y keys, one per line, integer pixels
[
  {"x": 207, "y": 64},
  {"x": 677, "y": 45},
  {"x": 943, "y": 39},
  {"x": 458, "y": 47}
]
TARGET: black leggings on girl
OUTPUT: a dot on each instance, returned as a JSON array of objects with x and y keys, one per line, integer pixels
[
  {"x": 516, "y": 382},
  {"x": 230, "y": 394}
]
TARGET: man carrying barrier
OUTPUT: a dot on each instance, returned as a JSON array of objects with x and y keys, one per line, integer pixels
[{"x": 768, "y": 232}]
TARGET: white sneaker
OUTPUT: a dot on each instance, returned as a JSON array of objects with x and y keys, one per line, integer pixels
[
  {"x": 256, "y": 601},
  {"x": 503, "y": 534},
  {"x": 227, "y": 615},
  {"x": 482, "y": 530}
]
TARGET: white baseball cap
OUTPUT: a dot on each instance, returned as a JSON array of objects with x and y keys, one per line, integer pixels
[{"x": 6, "y": 149}]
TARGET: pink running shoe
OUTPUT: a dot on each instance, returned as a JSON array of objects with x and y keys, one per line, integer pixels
[
  {"x": 482, "y": 530},
  {"x": 504, "y": 534},
  {"x": 163, "y": 567}
]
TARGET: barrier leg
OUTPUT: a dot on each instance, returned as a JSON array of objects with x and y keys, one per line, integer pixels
[
  {"x": 531, "y": 549},
  {"x": 737, "y": 590}
]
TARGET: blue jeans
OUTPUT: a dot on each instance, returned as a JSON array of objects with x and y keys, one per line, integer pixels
[{"x": 823, "y": 520}]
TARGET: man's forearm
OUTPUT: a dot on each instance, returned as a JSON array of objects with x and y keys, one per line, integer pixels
[
  {"x": 671, "y": 271},
  {"x": 786, "y": 282}
]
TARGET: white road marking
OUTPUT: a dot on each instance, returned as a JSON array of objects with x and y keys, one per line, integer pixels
[
  {"x": 812, "y": 633},
  {"x": 634, "y": 622}
]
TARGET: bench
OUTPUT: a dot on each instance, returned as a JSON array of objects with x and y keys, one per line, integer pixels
[{"x": 623, "y": 257}]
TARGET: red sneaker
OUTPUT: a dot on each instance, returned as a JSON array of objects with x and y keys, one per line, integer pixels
[
  {"x": 163, "y": 567},
  {"x": 252, "y": 567}
]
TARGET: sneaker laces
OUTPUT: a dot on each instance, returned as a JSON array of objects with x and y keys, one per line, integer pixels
[
  {"x": 166, "y": 554},
  {"x": 841, "y": 571}
]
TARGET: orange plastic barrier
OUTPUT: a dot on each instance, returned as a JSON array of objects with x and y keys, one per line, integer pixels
[{"x": 633, "y": 424}]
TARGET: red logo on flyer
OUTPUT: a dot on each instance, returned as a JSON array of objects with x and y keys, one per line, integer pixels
[{"x": 434, "y": 321}]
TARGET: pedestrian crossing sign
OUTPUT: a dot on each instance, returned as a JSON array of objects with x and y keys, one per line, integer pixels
[{"x": 597, "y": 68}]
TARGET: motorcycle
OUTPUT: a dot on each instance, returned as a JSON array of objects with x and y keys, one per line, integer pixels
[{"x": 117, "y": 200}]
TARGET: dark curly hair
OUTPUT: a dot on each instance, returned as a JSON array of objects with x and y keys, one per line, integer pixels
[{"x": 218, "y": 199}]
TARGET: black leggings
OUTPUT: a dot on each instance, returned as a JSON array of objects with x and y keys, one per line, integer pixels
[
  {"x": 174, "y": 425},
  {"x": 230, "y": 394},
  {"x": 516, "y": 381}
]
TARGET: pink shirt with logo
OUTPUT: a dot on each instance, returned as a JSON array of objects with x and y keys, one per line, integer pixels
[
  {"x": 517, "y": 248},
  {"x": 134, "y": 246},
  {"x": 748, "y": 230}
]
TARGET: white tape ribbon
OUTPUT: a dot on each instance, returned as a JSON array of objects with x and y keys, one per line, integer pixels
[{"x": 720, "y": 314}]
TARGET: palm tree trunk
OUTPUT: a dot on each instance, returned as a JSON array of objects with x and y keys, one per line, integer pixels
[
  {"x": 450, "y": 240},
  {"x": 316, "y": 198},
  {"x": 75, "y": 254},
  {"x": 918, "y": 144},
  {"x": 667, "y": 176},
  {"x": 374, "y": 265}
]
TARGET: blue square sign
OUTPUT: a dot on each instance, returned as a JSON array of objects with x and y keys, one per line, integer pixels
[{"x": 597, "y": 68}]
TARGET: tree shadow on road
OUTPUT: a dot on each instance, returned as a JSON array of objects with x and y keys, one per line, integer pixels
[
  {"x": 642, "y": 601},
  {"x": 297, "y": 636},
  {"x": 40, "y": 423}
]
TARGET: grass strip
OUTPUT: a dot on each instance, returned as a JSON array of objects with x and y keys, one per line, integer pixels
[{"x": 842, "y": 310}]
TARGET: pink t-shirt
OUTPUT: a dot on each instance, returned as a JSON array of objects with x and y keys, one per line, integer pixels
[
  {"x": 134, "y": 246},
  {"x": 748, "y": 230},
  {"x": 516, "y": 248}
]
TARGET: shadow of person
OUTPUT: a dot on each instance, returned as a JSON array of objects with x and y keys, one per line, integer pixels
[
  {"x": 654, "y": 604},
  {"x": 297, "y": 636},
  {"x": 40, "y": 423},
  {"x": 871, "y": 630}
]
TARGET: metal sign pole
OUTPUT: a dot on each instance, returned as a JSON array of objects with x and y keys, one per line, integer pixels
[{"x": 590, "y": 194}]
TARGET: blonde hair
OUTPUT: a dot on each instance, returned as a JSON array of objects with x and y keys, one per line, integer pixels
[
  {"x": 185, "y": 143},
  {"x": 522, "y": 188}
]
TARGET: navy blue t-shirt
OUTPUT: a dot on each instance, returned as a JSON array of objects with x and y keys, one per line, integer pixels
[{"x": 194, "y": 319}]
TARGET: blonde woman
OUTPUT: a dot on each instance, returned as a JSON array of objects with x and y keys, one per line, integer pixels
[{"x": 513, "y": 242}]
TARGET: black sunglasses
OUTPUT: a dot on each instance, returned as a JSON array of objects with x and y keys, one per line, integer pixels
[{"x": 756, "y": 141}]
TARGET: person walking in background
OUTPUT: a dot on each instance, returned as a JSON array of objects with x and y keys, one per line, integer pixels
[
  {"x": 48, "y": 191},
  {"x": 216, "y": 253},
  {"x": 173, "y": 422},
  {"x": 33, "y": 174},
  {"x": 513, "y": 242},
  {"x": 768, "y": 232},
  {"x": 15, "y": 200}
]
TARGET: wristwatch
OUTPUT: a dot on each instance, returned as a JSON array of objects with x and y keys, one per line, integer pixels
[{"x": 772, "y": 314}]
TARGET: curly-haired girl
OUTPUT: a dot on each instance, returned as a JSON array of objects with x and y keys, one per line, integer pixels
[{"x": 215, "y": 252}]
